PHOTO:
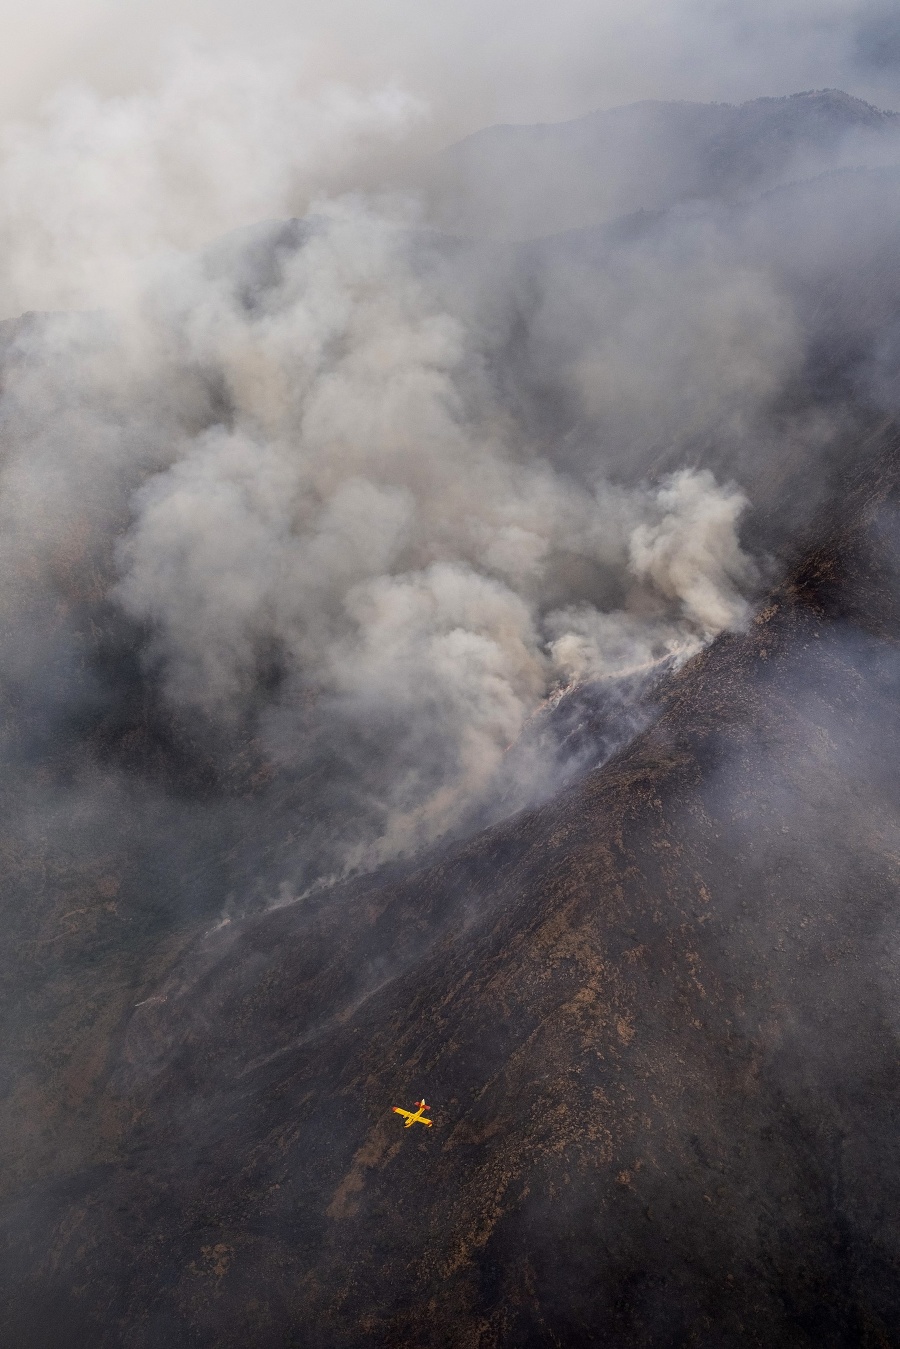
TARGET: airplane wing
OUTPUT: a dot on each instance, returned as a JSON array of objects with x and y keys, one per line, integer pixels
[{"x": 407, "y": 1114}]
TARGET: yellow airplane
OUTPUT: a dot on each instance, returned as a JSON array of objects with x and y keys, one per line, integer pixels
[{"x": 412, "y": 1117}]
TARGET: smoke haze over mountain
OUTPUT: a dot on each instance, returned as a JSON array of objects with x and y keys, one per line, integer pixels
[
  {"x": 474, "y": 63},
  {"x": 342, "y": 541},
  {"x": 357, "y": 500},
  {"x": 358, "y": 490}
]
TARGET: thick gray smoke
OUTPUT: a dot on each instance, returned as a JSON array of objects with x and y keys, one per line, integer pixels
[
  {"x": 330, "y": 530},
  {"x": 355, "y": 502}
]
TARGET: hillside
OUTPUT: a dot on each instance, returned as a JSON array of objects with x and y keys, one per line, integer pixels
[{"x": 655, "y": 1020}]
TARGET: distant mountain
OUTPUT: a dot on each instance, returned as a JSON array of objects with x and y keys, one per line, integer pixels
[{"x": 526, "y": 181}]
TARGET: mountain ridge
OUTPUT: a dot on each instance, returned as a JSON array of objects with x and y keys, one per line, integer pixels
[{"x": 525, "y": 181}]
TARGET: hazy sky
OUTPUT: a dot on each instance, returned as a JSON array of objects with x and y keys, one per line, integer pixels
[{"x": 474, "y": 61}]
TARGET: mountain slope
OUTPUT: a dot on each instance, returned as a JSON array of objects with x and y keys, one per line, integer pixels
[{"x": 656, "y": 1021}]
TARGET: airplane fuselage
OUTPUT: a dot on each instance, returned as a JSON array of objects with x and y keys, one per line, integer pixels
[{"x": 411, "y": 1117}]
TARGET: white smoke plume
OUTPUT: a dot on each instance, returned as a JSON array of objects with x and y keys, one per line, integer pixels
[
  {"x": 362, "y": 495},
  {"x": 96, "y": 191},
  {"x": 329, "y": 527}
]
